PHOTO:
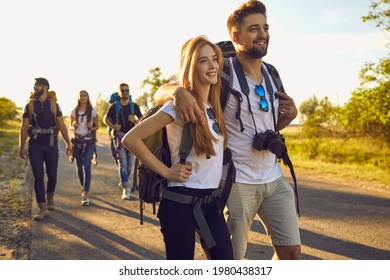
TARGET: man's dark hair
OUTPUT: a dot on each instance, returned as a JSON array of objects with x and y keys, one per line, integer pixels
[
  {"x": 247, "y": 8},
  {"x": 42, "y": 81}
]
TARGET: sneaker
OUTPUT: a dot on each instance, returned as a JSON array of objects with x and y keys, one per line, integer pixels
[
  {"x": 42, "y": 212},
  {"x": 133, "y": 189},
  {"x": 126, "y": 194},
  {"x": 50, "y": 201},
  {"x": 84, "y": 200}
]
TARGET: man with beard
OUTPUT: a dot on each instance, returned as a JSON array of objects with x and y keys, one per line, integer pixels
[
  {"x": 260, "y": 187},
  {"x": 121, "y": 122},
  {"x": 42, "y": 125}
]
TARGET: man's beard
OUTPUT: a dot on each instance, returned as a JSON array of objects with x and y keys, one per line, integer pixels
[
  {"x": 38, "y": 93},
  {"x": 257, "y": 53}
]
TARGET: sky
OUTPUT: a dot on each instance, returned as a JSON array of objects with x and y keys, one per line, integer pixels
[{"x": 317, "y": 46}]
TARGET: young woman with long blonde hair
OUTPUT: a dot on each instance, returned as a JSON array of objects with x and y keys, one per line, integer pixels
[{"x": 200, "y": 69}]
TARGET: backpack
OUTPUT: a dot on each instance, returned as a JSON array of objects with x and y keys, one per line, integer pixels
[
  {"x": 53, "y": 131},
  {"x": 150, "y": 185},
  {"x": 115, "y": 98},
  {"x": 227, "y": 89},
  {"x": 53, "y": 104}
]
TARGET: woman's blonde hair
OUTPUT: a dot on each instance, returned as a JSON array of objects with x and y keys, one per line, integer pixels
[{"x": 189, "y": 79}]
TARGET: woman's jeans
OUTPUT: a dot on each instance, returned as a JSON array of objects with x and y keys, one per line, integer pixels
[
  {"x": 84, "y": 166},
  {"x": 43, "y": 154},
  {"x": 125, "y": 165}
]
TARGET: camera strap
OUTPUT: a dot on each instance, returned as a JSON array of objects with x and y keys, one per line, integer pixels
[{"x": 245, "y": 90}]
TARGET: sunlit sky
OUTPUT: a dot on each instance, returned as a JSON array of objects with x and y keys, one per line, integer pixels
[{"x": 317, "y": 46}]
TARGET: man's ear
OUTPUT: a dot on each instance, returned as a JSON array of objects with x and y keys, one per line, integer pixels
[{"x": 235, "y": 36}]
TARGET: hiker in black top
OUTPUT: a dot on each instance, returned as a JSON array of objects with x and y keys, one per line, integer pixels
[
  {"x": 121, "y": 122},
  {"x": 41, "y": 125}
]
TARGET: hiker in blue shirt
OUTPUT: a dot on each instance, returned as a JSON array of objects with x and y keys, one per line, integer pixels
[
  {"x": 121, "y": 122},
  {"x": 193, "y": 183}
]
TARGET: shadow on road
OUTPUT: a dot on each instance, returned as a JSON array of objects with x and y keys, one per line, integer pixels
[
  {"x": 126, "y": 212},
  {"x": 359, "y": 218},
  {"x": 96, "y": 243}
]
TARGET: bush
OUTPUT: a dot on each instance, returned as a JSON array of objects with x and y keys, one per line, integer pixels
[
  {"x": 350, "y": 150},
  {"x": 8, "y": 110}
]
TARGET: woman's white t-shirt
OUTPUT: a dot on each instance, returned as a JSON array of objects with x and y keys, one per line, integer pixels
[
  {"x": 82, "y": 128},
  {"x": 206, "y": 173}
]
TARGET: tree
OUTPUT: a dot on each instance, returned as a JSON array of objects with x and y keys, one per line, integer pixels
[
  {"x": 320, "y": 118},
  {"x": 153, "y": 82},
  {"x": 308, "y": 107},
  {"x": 367, "y": 112},
  {"x": 101, "y": 108},
  {"x": 7, "y": 110},
  {"x": 380, "y": 14}
]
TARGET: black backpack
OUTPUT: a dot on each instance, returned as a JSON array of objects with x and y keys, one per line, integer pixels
[
  {"x": 227, "y": 89},
  {"x": 148, "y": 183}
]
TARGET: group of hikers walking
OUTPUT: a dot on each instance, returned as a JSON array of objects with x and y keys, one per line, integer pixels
[{"x": 243, "y": 116}]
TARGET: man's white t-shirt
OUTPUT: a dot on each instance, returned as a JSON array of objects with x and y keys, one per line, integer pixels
[
  {"x": 252, "y": 166},
  {"x": 206, "y": 173}
]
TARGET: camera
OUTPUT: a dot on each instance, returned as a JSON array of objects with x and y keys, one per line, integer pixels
[{"x": 271, "y": 141}]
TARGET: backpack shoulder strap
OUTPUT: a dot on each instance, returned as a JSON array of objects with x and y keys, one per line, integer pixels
[
  {"x": 185, "y": 144},
  {"x": 54, "y": 109},
  {"x": 117, "y": 109},
  {"x": 131, "y": 104},
  {"x": 227, "y": 89},
  {"x": 227, "y": 82},
  {"x": 31, "y": 109},
  {"x": 53, "y": 104},
  {"x": 275, "y": 76}
]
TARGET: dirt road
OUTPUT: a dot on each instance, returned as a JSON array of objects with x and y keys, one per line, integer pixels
[{"x": 337, "y": 221}]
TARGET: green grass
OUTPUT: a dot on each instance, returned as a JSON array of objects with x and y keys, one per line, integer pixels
[
  {"x": 349, "y": 158},
  {"x": 9, "y": 135}
]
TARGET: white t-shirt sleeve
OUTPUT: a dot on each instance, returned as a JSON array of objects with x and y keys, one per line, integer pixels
[{"x": 170, "y": 109}]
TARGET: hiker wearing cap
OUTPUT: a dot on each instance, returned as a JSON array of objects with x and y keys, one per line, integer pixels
[
  {"x": 42, "y": 119},
  {"x": 121, "y": 120}
]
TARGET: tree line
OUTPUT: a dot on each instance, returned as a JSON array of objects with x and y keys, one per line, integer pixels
[{"x": 367, "y": 112}]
